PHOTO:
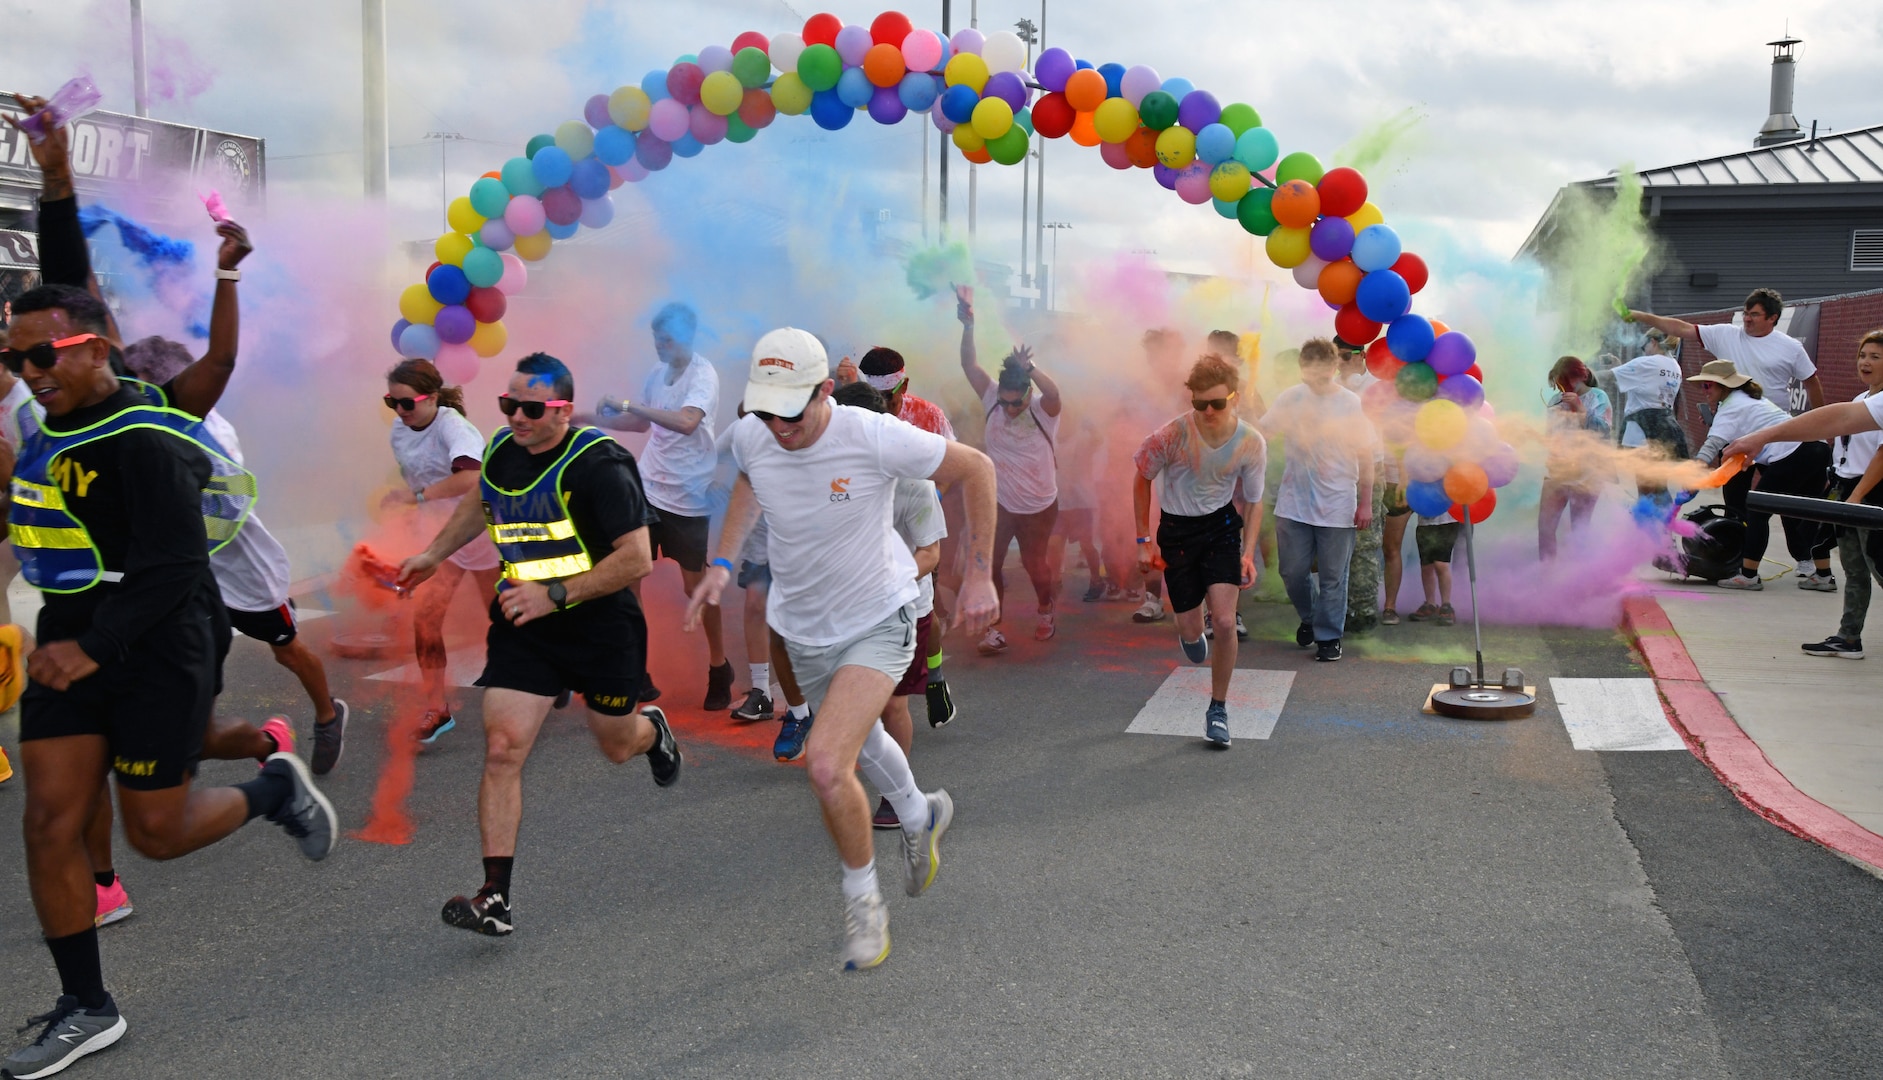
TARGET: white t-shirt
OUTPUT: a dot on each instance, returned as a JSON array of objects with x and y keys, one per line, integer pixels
[
  {"x": 1742, "y": 414},
  {"x": 252, "y": 570},
  {"x": 10, "y": 405},
  {"x": 1874, "y": 403},
  {"x": 838, "y": 567},
  {"x": 1776, "y": 360},
  {"x": 425, "y": 458},
  {"x": 753, "y": 550},
  {"x": 1025, "y": 464},
  {"x": 919, "y": 522},
  {"x": 1851, "y": 454},
  {"x": 1327, "y": 436},
  {"x": 676, "y": 469},
  {"x": 1194, "y": 478},
  {"x": 1649, "y": 382}
]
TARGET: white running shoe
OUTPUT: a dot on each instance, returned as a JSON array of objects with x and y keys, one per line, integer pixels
[
  {"x": 993, "y": 643},
  {"x": 1741, "y": 581},
  {"x": 1045, "y": 630},
  {"x": 1152, "y": 611},
  {"x": 921, "y": 850},
  {"x": 865, "y": 932}
]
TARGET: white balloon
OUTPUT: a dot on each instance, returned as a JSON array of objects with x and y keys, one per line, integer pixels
[
  {"x": 784, "y": 51},
  {"x": 1004, "y": 51},
  {"x": 1308, "y": 274}
]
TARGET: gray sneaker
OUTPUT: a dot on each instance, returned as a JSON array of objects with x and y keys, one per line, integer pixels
[
  {"x": 921, "y": 850},
  {"x": 1742, "y": 582},
  {"x": 865, "y": 932},
  {"x": 71, "y": 1032},
  {"x": 1818, "y": 582},
  {"x": 307, "y": 815},
  {"x": 330, "y": 739}
]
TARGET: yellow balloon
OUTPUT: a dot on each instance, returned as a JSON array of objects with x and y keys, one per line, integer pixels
[
  {"x": 789, "y": 94},
  {"x": 452, "y": 248},
  {"x": 575, "y": 138},
  {"x": 721, "y": 93},
  {"x": 1116, "y": 120},
  {"x": 628, "y": 107},
  {"x": 1288, "y": 248},
  {"x": 1440, "y": 424},
  {"x": 1176, "y": 146},
  {"x": 489, "y": 338},
  {"x": 1365, "y": 216},
  {"x": 462, "y": 218},
  {"x": 966, "y": 69},
  {"x": 1230, "y": 181},
  {"x": 417, "y": 306},
  {"x": 968, "y": 140},
  {"x": 992, "y": 117},
  {"x": 532, "y": 248}
]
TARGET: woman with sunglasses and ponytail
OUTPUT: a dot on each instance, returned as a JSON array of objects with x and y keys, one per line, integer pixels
[{"x": 439, "y": 452}]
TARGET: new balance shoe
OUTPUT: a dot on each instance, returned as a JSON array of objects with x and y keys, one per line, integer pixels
[
  {"x": 307, "y": 815},
  {"x": 1198, "y": 651},
  {"x": 789, "y": 745},
  {"x": 434, "y": 724},
  {"x": 1835, "y": 647},
  {"x": 114, "y": 904},
  {"x": 487, "y": 913},
  {"x": 1818, "y": 583},
  {"x": 278, "y": 731},
  {"x": 885, "y": 816},
  {"x": 1304, "y": 634},
  {"x": 330, "y": 740},
  {"x": 664, "y": 757},
  {"x": 1151, "y": 611},
  {"x": 718, "y": 688},
  {"x": 71, "y": 1032},
  {"x": 941, "y": 704},
  {"x": 1742, "y": 582},
  {"x": 1327, "y": 651},
  {"x": 756, "y": 706},
  {"x": 921, "y": 850},
  {"x": 992, "y": 643},
  {"x": 865, "y": 932},
  {"x": 1216, "y": 726}
]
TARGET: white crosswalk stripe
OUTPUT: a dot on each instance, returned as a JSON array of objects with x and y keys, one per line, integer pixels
[
  {"x": 460, "y": 670},
  {"x": 1255, "y": 702},
  {"x": 1614, "y": 714}
]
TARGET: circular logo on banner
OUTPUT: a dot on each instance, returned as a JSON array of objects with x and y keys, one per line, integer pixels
[{"x": 230, "y": 160}]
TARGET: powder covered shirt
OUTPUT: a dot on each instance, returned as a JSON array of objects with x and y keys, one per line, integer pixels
[
  {"x": 1194, "y": 478},
  {"x": 926, "y": 415},
  {"x": 676, "y": 469},
  {"x": 1327, "y": 436},
  {"x": 1025, "y": 464},
  {"x": 1646, "y": 382},
  {"x": 1742, "y": 414}
]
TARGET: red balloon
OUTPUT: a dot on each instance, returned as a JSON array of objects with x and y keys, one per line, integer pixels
[
  {"x": 1053, "y": 116},
  {"x": 1353, "y": 327},
  {"x": 1141, "y": 147},
  {"x": 822, "y": 28},
  {"x": 890, "y": 28},
  {"x": 1343, "y": 191},
  {"x": 683, "y": 82},
  {"x": 1479, "y": 510},
  {"x": 751, "y": 39},
  {"x": 486, "y": 305},
  {"x": 429, "y": 269},
  {"x": 1475, "y": 373},
  {"x": 1381, "y": 362},
  {"x": 757, "y": 110},
  {"x": 1414, "y": 270}
]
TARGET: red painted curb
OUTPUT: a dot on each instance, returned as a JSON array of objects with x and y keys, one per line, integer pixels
[{"x": 1718, "y": 741}]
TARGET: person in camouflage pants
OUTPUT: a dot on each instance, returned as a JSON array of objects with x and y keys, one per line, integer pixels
[{"x": 1363, "y": 572}]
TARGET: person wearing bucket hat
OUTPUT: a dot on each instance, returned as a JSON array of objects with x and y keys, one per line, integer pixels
[
  {"x": 1787, "y": 468},
  {"x": 843, "y": 584}
]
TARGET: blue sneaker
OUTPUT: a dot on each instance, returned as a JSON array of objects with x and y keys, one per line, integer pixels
[
  {"x": 789, "y": 746},
  {"x": 1197, "y": 652},
  {"x": 1216, "y": 726},
  {"x": 433, "y": 725}
]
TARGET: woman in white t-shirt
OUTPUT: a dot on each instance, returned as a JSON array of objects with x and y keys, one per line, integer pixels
[
  {"x": 1576, "y": 406},
  {"x": 440, "y": 453},
  {"x": 1784, "y": 468}
]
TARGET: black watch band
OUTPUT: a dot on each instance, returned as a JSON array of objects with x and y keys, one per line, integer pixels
[{"x": 559, "y": 595}]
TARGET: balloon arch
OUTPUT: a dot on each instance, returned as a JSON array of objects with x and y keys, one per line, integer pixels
[{"x": 1317, "y": 222}]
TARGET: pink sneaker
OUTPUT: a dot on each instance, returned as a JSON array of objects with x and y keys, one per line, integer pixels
[
  {"x": 114, "y": 904},
  {"x": 277, "y": 729}
]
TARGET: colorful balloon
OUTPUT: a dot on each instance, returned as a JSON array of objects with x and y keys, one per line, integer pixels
[
  {"x": 853, "y": 44},
  {"x": 1375, "y": 247},
  {"x": 1479, "y": 510},
  {"x": 417, "y": 305},
  {"x": 1383, "y": 297},
  {"x": 482, "y": 269},
  {"x": 1427, "y": 498},
  {"x": 1116, "y": 120},
  {"x": 1215, "y": 143},
  {"x": 1351, "y": 324},
  {"x": 1198, "y": 110},
  {"x": 1465, "y": 482},
  {"x": 1136, "y": 83},
  {"x": 1339, "y": 281},
  {"x": 418, "y": 342},
  {"x": 1004, "y": 51},
  {"x": 1452, "y": 353},
  {"x": 1239, "y": 118},
  {"x": 751, "y": 67},
  {"x": 1413, "y": 269},
  {"x": 922, "y": 51},
  {"x": 1441, "y": 424},
  {"x": 820, "y": 67},
  {"x": 516, "y": 276},
  {"x": 1256, "y": 213},
  {"x": 1299, "y": 165},
  {"x": 1463, "y": 389},
  {"x": 1229, "y": 181},
  {"x": 1343, "y": 191},
  {"x": 721, "y": 93},
  {"x": 1411, "y": 339},
  {"x": 1176, "y": 148},
  {"x": 1085, "y": 91},
  {"x": 966, "y": 69},
  {"x": 1415, "y": 381},
  {"x": 822, "y": 29},
  {"x": 1158, "y": 110},
  {"x": 1053, "y": 68},
  {"x": 790, "y": 94},
  {"x": 628, "y": 107},
  {"x": 452, "y": 248},
  {"x": 1257, "y": 148},
  {"x": 891, "y": 28},
  {"x": 1380, "y": 361}
]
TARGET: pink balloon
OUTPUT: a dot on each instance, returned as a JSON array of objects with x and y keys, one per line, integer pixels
[
  {"x": 1115, "y": 155},
  {"x": 516, "y": 276},
  {"x": 457, "y": 363},
  {"x": 853, "y": 42},
  {"x": 705, "y": 126},
  {"x": 1308, "y": 274},
  {"x": 668, "y": 120},
  {"x": 496, "y": 234},
  {"x": 633, "y": 172},
  {"x": 1193, "y": 185},
  {"x": 615, "y": 179},
  {"x": 524, "y": 215},
  {"x": 921, "y": 50},
  {"x": 1137, "y": 82}
]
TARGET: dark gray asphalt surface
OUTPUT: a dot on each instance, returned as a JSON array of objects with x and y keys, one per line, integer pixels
[{"x": 1369, "y": 893}]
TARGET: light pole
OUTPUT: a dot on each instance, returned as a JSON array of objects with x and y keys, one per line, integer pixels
[
  {"x": 373, "y": 94},
  {"x": 1029, "y": 34},
  {"x": 444, "y": 200},
  {"x": 1053, "y": 281},
  {"x": 140, "y": 85}
]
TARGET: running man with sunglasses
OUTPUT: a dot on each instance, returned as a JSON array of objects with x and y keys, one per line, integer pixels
[
  {"x": 843, "y": 588},
  {"x": 439, "y": 452},
  {"x": 563, "y": 504},
  {"x": 1199, "y": 463}
]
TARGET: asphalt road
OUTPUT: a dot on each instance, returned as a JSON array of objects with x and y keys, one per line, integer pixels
[{"x": 1370, "y": 892}]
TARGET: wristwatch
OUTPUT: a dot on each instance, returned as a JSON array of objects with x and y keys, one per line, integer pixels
[
  {"x": 559, "y": 595},
  {"x": 228, "y": 275},
  {"x": 418, "y": 495}
]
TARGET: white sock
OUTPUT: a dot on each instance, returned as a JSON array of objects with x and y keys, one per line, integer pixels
[
  {"x": 761, "y": 674},
  {"x": 798, "y": 712},
  {"x": 859, "y": 882},
  {"x": 886, "y": 767}
]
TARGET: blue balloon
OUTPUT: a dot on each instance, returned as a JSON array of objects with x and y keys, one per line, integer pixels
[
  {"x": 1177, "y": 88},
  {"x": 1410, "y": 337},
  {"x": 829, "y": 111},
  {"x": 1082, "y": 65},
  {"x": 1376, "y": 248},
  {"x": 397, "y": 329},
  {"x": 687, "y": 146},
  {"x": 1427, "y": 498},
  {"x": 917, "y": 91},
  {"x": 654, "y": 84},
  {"x": 614, "y": 145},
  {"x": 448, "y": 285},
  {"x": 948, "y": 52},
  {"x": 1226, "y": 209},
  {"x": 1383, "y": 296},
  {"x": 519, "y": 176},
  {"x": 561, "y": 232},
  {"x": 854, "y": 88},
  {"x": 1216, "y": 144},
  {"x": 419, "y": 342},
  {"x": 957, "y": 104},
  {"x": 553, "y": 166},
  {"x": 589, "y": 179},
  {"x": 1114, "y": 79}
]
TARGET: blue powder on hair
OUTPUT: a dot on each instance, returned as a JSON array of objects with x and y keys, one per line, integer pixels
[{"x": 153, "y": 249}]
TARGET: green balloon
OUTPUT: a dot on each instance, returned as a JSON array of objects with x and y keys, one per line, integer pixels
[
  {"x": 1416, "y": 382},
  {"x": 1240, "y": 118},
  {"x": 1011, "y": 148},
  {"x": 1158, "y": 110},
  {"x": 537, "y": 143},
  {"x": 752, "y": 67},
  {"x": 1254, "y": 212},
  {"x": 1299, "y": 165},
  {"x": 820, "y": 67},
  {"x": 489, "y": 196},
  {"x": 738, "y": 130},
  {"x": 1024, "y": 118}
]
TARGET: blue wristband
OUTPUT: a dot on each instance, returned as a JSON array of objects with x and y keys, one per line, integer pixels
[{"x": 727, "y": 563}]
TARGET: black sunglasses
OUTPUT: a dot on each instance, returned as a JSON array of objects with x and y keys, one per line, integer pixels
[
  {"x": 1203, "y": 404},
  {"x": 405, "y": 404},
  {"x": 531, "y": 409},
  {"x": 767, "y": 418},
  {"x": 43, "y": 355}
]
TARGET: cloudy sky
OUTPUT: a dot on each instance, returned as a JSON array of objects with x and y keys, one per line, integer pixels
[{"x": 1513, "y": 97}]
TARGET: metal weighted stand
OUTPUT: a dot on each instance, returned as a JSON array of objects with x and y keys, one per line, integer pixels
[{"x": 1473, "y": 698}]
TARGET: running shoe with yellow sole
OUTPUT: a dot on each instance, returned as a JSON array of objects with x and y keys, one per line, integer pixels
[
  {"x": 865, "y": 932},
  {"x": 12, "y": 664},
  {"x": 921, "y": 850}
]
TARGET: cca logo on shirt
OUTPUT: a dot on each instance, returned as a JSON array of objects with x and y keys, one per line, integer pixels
[{"x": 840, "y": 489}]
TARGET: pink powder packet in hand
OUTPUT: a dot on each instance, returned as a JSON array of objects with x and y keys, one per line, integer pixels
[{"x": 212, "y": 202}]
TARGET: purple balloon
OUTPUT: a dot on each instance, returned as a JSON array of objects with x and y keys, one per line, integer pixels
[
  {"x": 1462, "y": 389},
  {"x": 562, "y": 206},
  {"x": 853, "y": 42},
  {"x": 1008, "y": 87},
  {"x": 886, "y": 106},
  {"x": 1053, "y": 68},
  {"x": 1500, "y": 465},
  {"x": 397, "y": 329},
  {"x": 1165, "y": 175},
  {"x": 653, "y": 154},
  {"x": 1452, "y": 354},
  {"x": 1198, "y": 110},
  {"x": 1331, "y": 239},
  {"x": 596, "y": 112},
  {"x": 456, "y": 324}
]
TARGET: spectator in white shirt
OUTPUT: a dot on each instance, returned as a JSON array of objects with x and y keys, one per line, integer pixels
[
  {"x": 1758, "y": 350},
  {"x": 1649, "y": 386}
]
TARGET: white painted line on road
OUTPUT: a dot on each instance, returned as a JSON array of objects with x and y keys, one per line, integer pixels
[
  {"x": 303, "y": 614},
  {"x": 1255, "y": 702},
  {"x": 461, "y": 669},
  {"x": 1614, "y": 714}
]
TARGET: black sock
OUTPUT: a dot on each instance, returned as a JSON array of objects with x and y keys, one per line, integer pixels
[
  {"x": 80, "y": 972},
  {"x": 1826, "y": 572},
  {"x": 104, "y": 878},
  {"x": 1217, "y": 703},
  {"x": 497, "y": 874},
  {"x": 272, "y": 742},
  {"x": 267, "y": 793}
]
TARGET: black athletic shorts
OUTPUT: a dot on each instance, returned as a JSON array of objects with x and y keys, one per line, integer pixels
[
  {"x": 680, "y": 538},
  {"x": 597, "y": 649},
  {"x": 276, "y": 626},
  {"x": 1395, "y": 499},
  {"x": 1199, "y": 552},
  {"x": 1435, "y": 542},
  {"x": 152, "y": 709}
]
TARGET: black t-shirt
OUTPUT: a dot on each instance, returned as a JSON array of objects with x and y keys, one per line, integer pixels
[
  {"x": 602, "y": 487},
  {"x": 139, "y": 494}
]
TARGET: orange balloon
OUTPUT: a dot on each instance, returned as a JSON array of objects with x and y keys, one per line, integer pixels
[
  {"x": 1439, "y": 328},
  {"x": 1085, "y": 90},
  {"x": 1141, "y": 147},
  {"x": 493, "y": 175},
  {"x": 1084, "y": 128},
  {"x": 1296, "y": 204},
  {"x": 979, "y": 157},
  {"x": 1340, "y": 282},
  {"x": 883, "y": 66},
  {"x": 1466, "y": 483}
]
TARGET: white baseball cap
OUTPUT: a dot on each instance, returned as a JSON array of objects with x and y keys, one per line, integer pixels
[{"x": 787, "y": 365}]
